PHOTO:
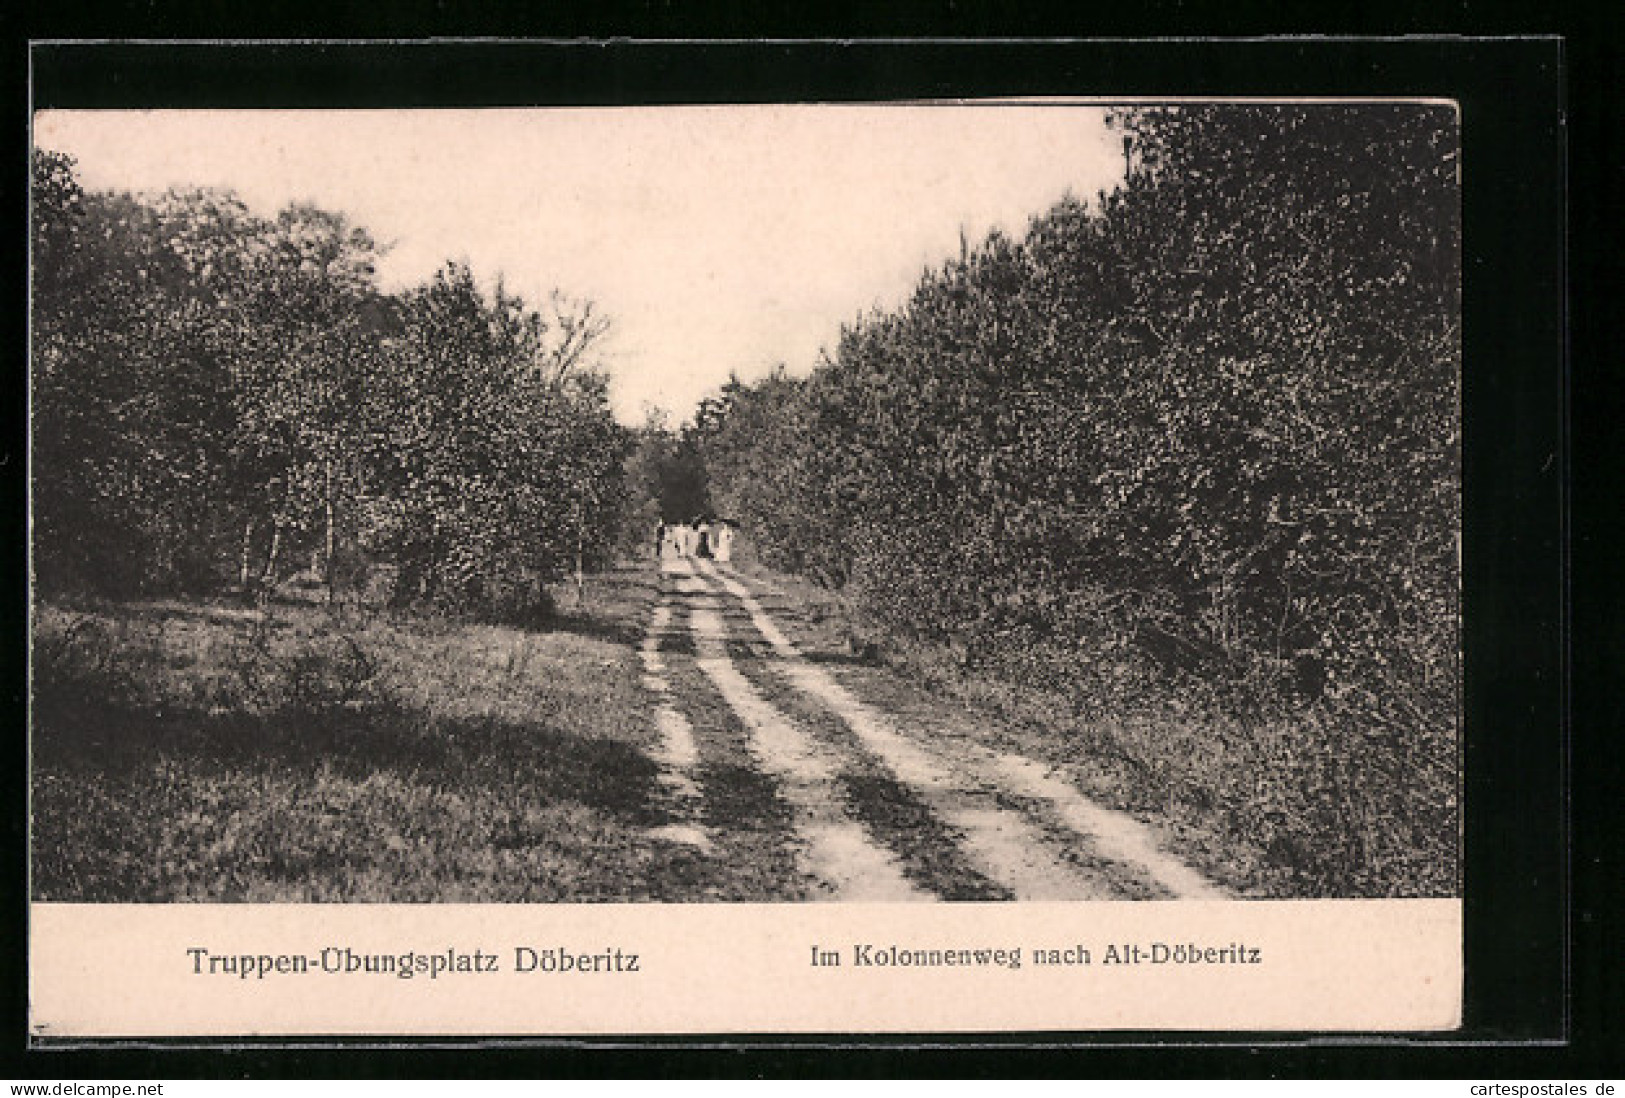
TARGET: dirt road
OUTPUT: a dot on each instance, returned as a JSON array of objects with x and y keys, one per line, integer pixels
[{"x": 767, "y": 754}]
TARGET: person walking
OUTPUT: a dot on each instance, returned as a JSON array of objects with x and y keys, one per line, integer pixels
[{"x": 660, "y": 538}]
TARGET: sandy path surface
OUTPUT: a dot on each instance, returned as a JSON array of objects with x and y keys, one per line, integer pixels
[
  {"x": 677, "y": 753},
  {"x": 963, "y": 786},
  {"x": 822, "y": 754}
]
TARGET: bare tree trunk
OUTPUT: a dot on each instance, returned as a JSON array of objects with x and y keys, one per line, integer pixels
[
  {"x": 328, "y": 572},
  {"x": 243, "y": 561},
  {"x": 581, "y": 580},
  {"x": 268, "y": 576}
]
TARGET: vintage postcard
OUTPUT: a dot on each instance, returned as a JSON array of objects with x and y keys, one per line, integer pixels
[{"x": 945, "y": 567}]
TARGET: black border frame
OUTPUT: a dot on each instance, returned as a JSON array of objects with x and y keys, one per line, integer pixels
[{"x": 1516, "y": 392}]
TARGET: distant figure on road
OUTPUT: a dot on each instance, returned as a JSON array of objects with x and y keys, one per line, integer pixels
[
  {"x": 722, "y": 541},
  {"x": 702, "y": 538},
  {"x": 660, "y": 538}
]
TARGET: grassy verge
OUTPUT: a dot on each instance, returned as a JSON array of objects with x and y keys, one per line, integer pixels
[{"x": 187, "y": 751}]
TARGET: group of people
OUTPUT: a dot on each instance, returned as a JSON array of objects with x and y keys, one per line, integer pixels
[{"x": 703, "y": 537}]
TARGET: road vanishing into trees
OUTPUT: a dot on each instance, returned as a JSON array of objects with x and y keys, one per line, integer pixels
[{"x": 868, "y": 806}]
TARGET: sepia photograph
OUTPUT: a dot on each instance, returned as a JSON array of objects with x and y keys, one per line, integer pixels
[{"x": 959, "y": 501}]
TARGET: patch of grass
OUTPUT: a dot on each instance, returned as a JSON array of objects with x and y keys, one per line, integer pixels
[{"x": 615, "y": 603}]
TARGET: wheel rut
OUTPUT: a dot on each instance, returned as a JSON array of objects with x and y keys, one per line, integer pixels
[{"x": 836, "y": 849}]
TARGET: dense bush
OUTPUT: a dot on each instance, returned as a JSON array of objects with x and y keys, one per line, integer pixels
[
  {"x": 222, "y": 400},
  {"x": 1207, "y": 425}
]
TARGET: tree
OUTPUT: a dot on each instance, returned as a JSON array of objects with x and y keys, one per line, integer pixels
[
  {"x": 493, "y": 477},
  {"x": 127, "y": 397},
  {"x": 215, "y": 393},
  {"x": 571, "y": 334},
  {"x": 1215, "y": 412},
  {"x": 306, "y": 337}
]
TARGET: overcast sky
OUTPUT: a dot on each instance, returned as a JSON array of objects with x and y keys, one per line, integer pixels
[{"x": 718, "y": 238}]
